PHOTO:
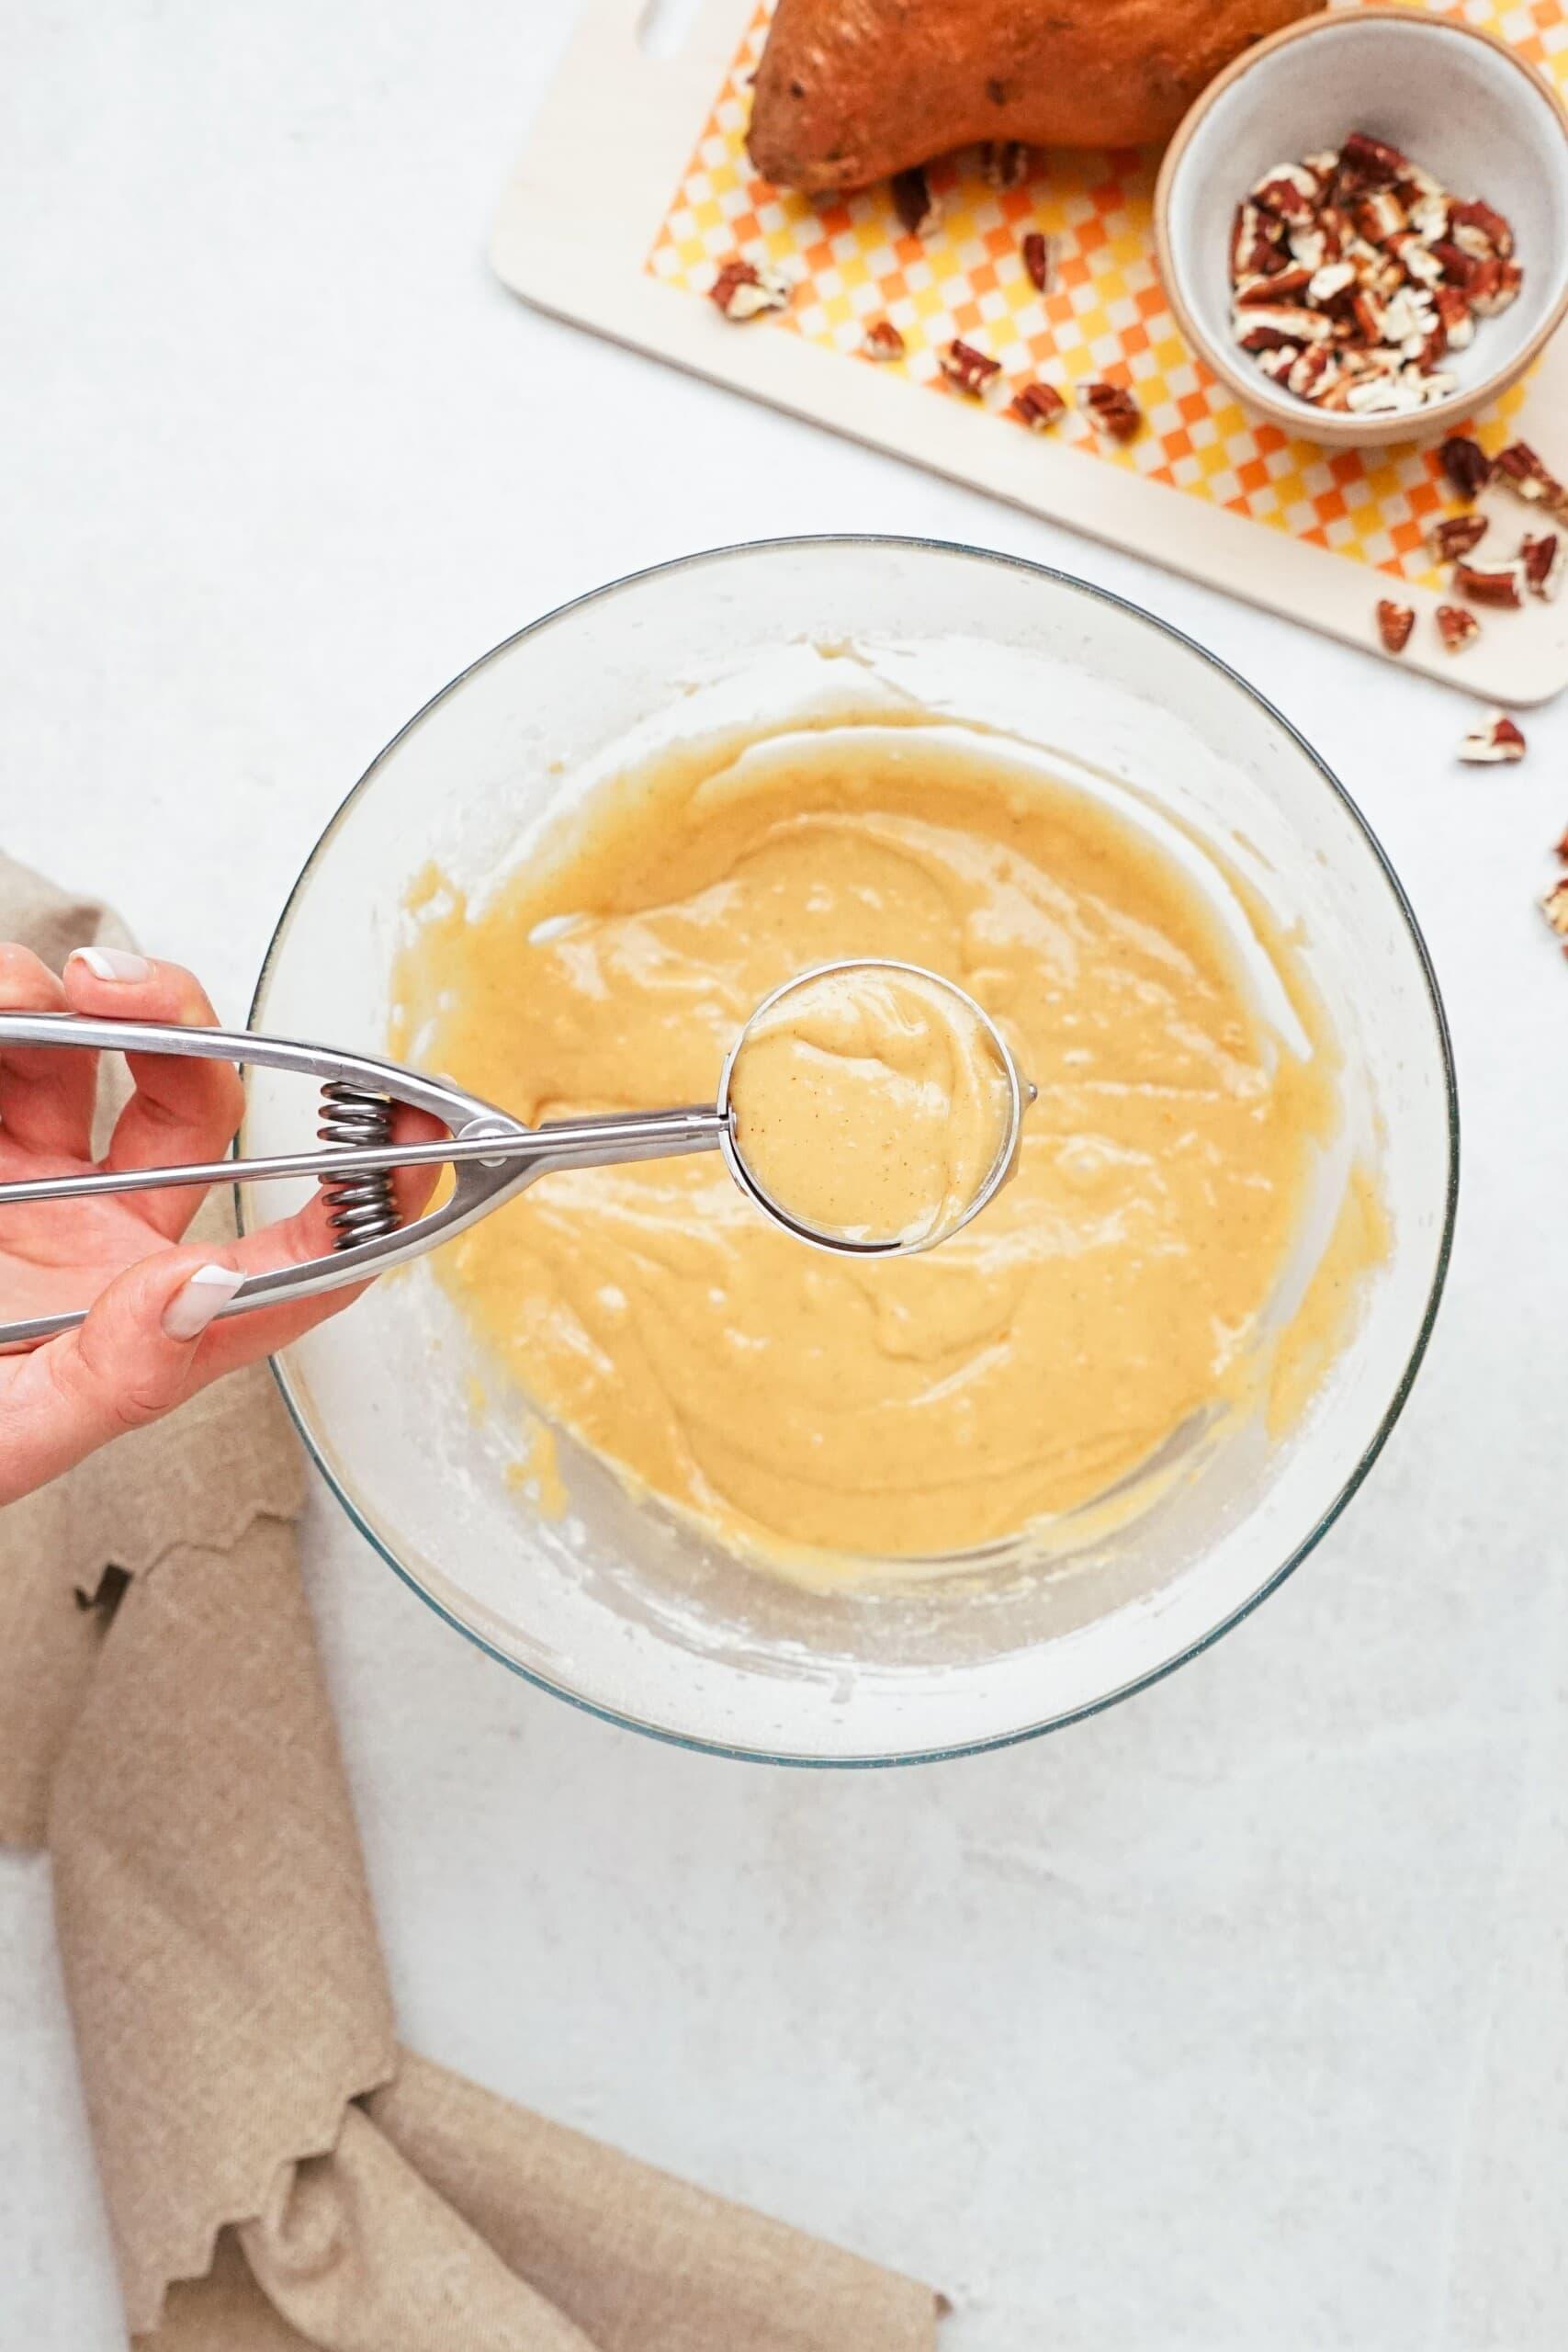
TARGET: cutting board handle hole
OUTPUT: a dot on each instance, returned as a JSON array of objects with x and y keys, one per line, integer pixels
[{"x": 664, "y": 25}]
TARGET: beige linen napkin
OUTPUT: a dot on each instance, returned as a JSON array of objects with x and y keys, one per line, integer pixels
[{"x": 277, "y": 2173}]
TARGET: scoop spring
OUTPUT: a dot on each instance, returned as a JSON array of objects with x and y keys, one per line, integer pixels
[{"x": 359, "y": 1207}]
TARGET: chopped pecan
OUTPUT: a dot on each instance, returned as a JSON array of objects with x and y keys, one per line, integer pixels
[
  {"x": 1037, "y": 261},
  {"x": 1253, "y": 293},
  {"x": 1258, "y": 241},
  {"x": 1543, "y": 557},
  {"x": 1282, "y": 365},
  {"x": 1418, "y": 263},
  {"x": 1289, "y": 191},
  {"x": 1456, "y": 535},
  {"x": 881, "y": 340},
  {"x": 1410, "y": 321},
  {"x": 1554, "y": 907},
  {"x": 1335, "y": 394},
  {"x": 1495, "y": 288},
  {"x": 1465, "y": 464},
  {"x": 741, "y": 290},
  {"x": 912, "y": 201},
  {"x": 1315, "y": 374},
  {"x": 1495, "y": 738},
  {"x": 1561, "y": 851},
  {"x": 1429, "y": 214},
  {"x": 1459, "y": 268},
  {"x": 1337, "y": 231},
  {"x": 1497, "y": 583},
  {"x": 1367, "y": 164},
  {"x": 1457, "y": 628},
  {"x": 1529, "y": 479},
  {"x": 970, "y": 369},
  {"x": 1328, "y": 282},
  {"x": 1469, "y": 241},
  {"x": 1479, "y": 222},
  {"x": 1005, "y": 162},
  {"x": 1379, "y": 217},
  {"x": 1115, "y": 410},
  {"x": 1394, "y": 623},
  {"x": 1453, "y": 314},
  {"x": 1038, "y": 406},
  {"x": 1399, "y": 395},
  {"x": 1260, "y": 328},
  {"x": 1395, "y": 274}
]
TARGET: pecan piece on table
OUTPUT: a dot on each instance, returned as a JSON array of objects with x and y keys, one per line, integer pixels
[
  {"x": 1492, "y": 740},
  {"x": 1037, "y": 261},
  {"x": 1039, "y": 406},
  {"x": 743, "y": 291},
  {"x": 1005, "y": 162},
  {"x": 970, "y": 369},
  {"x": 1543, "y": 557},
  {"x": 1395, "y": 622},
  {"x": 1457, "y": 628},
  {"x": 1465, "y": 465},
  {"x": 881, "y": 340},
  {"x": 1527, "y": 478},
  {"x": 1497, "y": 584},
  {"x": 1456, "y": 535},
  {"x": 912, "y": 201},
  {"x": 1115, "y": 410},
  {"x": 1554, "y": 907}
]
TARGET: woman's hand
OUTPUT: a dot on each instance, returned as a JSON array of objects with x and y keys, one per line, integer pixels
[{"x": 146, "y": 1345}]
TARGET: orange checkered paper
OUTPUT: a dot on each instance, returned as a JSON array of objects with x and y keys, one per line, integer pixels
[{"x": 1104, "y": 315}]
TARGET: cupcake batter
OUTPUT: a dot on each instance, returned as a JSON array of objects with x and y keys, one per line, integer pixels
[
  {"x": 871, "y": 1104},
  {"x": 899, "y": 1407}
]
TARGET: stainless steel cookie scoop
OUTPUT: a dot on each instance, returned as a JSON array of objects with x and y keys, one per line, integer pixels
[{"x": 493, "y": 1154}]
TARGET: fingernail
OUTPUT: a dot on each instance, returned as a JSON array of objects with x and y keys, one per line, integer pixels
[
  {"x": 111, "y": 962},
  {"x": 192, "y": 1309}
]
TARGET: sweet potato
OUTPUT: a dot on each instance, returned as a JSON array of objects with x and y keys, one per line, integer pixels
[{"x": 851, "y": 90}]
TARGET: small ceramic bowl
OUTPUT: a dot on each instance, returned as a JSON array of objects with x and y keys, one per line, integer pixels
[{"x": 1456, "y": 101}]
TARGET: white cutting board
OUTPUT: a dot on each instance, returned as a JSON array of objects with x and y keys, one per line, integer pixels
[{"x": 584, "y": 208}]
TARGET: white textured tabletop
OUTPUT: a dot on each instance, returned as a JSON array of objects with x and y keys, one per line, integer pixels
[{"x": 1235, "y": 2017}]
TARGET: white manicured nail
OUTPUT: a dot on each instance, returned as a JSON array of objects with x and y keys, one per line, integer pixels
[
  {"x": 112, "y": 963},
  {"x": 190, "y": 1310}
]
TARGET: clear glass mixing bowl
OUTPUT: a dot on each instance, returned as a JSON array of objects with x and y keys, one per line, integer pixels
[{"x": 618, "y": 1606}]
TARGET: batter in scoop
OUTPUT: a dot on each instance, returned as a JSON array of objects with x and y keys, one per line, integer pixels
[
  {"x": 1117, "y": 1286},
  {"x": 871, "y": 1103}
]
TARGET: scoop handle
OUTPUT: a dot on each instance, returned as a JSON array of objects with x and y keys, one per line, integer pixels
[{"x": 494, "y": 1155}]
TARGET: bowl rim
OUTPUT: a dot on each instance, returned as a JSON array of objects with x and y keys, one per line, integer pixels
[
  {"x": 1299, "y": 417},
  {"x": 1335, "y": 1504}
]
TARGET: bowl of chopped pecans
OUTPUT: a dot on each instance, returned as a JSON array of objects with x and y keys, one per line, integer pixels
[{"x": 1362, "y": 225}]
